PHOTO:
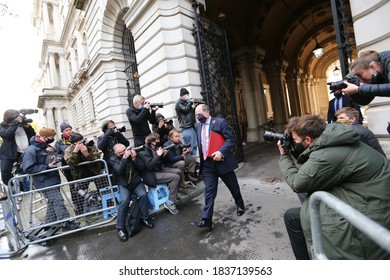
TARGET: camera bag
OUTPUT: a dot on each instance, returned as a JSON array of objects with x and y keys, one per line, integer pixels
[{"x": 133, "y": 217}]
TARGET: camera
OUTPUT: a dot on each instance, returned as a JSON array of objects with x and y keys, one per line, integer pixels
[
  {"x": 137, "y": 149},
  {"x": 184, "y": 147},
  {"x": 55, "y": 158},
  {"x": 91, "y": 200},
  {"x": 198, "y": 101},
  {"x": 169, "y": 146},
  {"x": 122, "y": 129},
  {"x": 24, "y": 112},
  {"x": 89, "y": 143},
  {"x": 161, "y": 105},
  {"x": 339, "y": 85},
  {"x": 285, "y": 138},
  {"x": 168, "y": 121}
]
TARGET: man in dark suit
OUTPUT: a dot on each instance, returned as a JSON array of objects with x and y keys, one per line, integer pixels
[
  {"x": 220, "y": 164},
  {"x": 340, "y": 101}
]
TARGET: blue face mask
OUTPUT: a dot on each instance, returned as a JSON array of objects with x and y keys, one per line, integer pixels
[
  {"x": 188, "y": 98},
  {"x": 140, "y": 106},
  {"x": 201, "y": 118}
]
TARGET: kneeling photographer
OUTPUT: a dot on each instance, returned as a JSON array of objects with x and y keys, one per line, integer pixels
[
  {"x": 331, "y": 158},
  {"x": 373, "y": 71},
  {"x": 16, "y": 132}
]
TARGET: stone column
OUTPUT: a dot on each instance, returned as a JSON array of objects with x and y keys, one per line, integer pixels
[
  {"x": 53, "y": 71},
  {"x": 56, "y": 21},
  {"x": 292, "y": 80},
  {"x": 74, "y": 61},
  {"x": 63, "y": 72},
  {"x": 248, "y": 63},
  {"x": 46, "y": 21},
  {"x": 50, "y": 118},
  {"x": 276, "y": 75},
  {"x": 59, "y": 120}
]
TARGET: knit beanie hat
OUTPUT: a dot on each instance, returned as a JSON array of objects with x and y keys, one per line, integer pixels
[
  {"x": 75, "y": 137},
  {"x": 47, "y": 132},
  {"x": 64, "y": 126},
  {"x": 183, "y": 91}
]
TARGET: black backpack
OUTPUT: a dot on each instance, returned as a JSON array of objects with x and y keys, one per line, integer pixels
[{"x": 133, "y": 217}]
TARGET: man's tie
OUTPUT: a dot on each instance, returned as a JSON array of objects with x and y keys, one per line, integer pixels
[
  {"x": 204, "y": 145},
  {"x": 337, "y": 103}
]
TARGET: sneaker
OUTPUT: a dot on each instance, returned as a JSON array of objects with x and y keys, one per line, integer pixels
[{"x": 171, "y": 208}]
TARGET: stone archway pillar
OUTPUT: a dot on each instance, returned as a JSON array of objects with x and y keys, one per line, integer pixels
[
  {"x": 276, "y": 76},
  {"x": 248, "y": 63}
]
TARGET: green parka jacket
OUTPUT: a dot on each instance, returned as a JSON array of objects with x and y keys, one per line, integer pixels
[{"x": 337, "y": 162}]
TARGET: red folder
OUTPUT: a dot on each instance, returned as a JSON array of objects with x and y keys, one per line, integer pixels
[{"x": 215, "y": 143}]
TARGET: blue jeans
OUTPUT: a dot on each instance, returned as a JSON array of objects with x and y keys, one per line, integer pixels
[
  {"x": 125, "y": 193},
  {"x": 189, "y": 137}
]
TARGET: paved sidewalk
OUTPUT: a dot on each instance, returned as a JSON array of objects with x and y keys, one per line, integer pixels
[{"x": 258, "y": 234}]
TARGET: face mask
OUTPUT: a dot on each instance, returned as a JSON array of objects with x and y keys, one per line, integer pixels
[
  {"x": 48, "y": 141},
  {"x": 201, "y": 118},
  {"x": 297, "y": 149},
  {"x": 188, "y": 98},
  {"x": 140, "y": 107},
  {"x": 158, "y": 144}
]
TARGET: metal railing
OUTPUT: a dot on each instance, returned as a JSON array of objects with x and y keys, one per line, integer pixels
[
  {"x": 372, "y": 229},
  {"x": 28, "y": 209}
]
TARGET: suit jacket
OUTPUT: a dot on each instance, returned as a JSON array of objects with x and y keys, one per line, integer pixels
[
  {"x": 219, "y": 125},
  {"x": 347, "y": 102}
]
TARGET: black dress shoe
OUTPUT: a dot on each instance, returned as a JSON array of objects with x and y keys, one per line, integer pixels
[
  {"x": 206, "y": 224},
  {"x": 122, "y": 235},
  {"x": 240, "y": 211},
  {"x": 147, "y": 223}
]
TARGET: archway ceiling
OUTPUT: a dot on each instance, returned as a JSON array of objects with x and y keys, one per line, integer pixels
[{"x": 285, "y": 29}]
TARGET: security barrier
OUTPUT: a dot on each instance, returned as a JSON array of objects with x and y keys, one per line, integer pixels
[
  {"x": 43, "y": 214},
  {"x": 372, "y": 229}
]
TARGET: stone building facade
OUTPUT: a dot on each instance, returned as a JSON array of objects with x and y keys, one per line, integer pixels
[{"x": 85, "y": 78}]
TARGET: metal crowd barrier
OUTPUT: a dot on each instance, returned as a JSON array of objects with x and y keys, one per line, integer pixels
[
  {"x": 98, "y": 197},
  {"x": 372, "y": 229},
  {"x": 8, "y": 230}
]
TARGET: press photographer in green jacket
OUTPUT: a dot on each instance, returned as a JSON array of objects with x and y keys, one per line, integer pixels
[{"x": 333, "y": 159}]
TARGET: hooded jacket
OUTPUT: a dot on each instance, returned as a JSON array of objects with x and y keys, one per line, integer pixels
[
  {"x": 337, "y": 162},
  {"x": 35, "y": 160}
]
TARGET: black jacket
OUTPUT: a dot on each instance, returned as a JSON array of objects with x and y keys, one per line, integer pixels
[
  {"x": 9, "y": 149},
  {"x": 185, "y": 113},
  {"x": 175, "y": 153},
  {"x": 367, "y": 92},
  {"x": 107, "y": 141},
  {"x": 125, "y": 169},
  {"x": 153, "y": 163},
  {"x": 139, "y": 120}
]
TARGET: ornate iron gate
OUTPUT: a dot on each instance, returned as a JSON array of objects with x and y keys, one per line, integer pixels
[
  {"x": 216, "y": 74},
  {"x": 131, "y": 70}
]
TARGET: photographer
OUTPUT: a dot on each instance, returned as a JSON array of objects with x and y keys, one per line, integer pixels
[
  {"x": 139, "y": 113},
  {"x": 333, "y": 159},
  {"x": 127, "y": 168},
  {"x": 185, "y": 111},
  {"x": 82, "y": 151},
  {"x": 35, "y": 160},
  {"x": 162, "y": 127},
  {"x": 373, "y": 70},
  {"x": 16, "y": 132},
  {"x": 106, "y": 142},
  {"x": 179, "y": 157}
]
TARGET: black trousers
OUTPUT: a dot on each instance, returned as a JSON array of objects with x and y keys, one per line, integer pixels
[{"x": 292, "y": 221}]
